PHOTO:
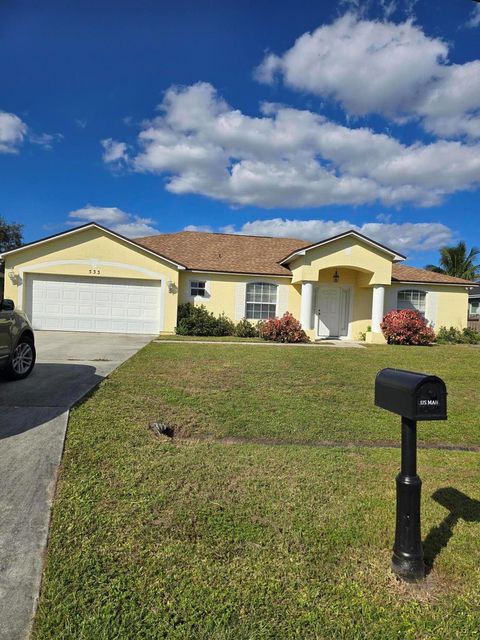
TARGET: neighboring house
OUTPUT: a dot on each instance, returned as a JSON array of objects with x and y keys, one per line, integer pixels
[
  {"x": 474, "y": 308},
  {"x": 474, "y": 302},
  {"x": 92, "y": 279}
]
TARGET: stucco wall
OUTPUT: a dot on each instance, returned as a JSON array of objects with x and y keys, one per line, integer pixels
[
  {"x": 88, "y": 250},
  {"x": 226, "y": 293},
  {"x": 446, "y": 306},
  {"x": 346, "y": 252}
]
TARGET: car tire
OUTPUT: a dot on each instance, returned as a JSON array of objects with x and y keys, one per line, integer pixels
[{"x": 22, "y": 360}]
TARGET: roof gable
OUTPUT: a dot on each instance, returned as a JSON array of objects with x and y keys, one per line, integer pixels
[
  {"x": 93, "y": 225},
  {"x": 395, "y": 256}
]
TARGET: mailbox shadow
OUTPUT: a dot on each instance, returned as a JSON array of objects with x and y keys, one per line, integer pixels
[{"x": 461, "y": 507}]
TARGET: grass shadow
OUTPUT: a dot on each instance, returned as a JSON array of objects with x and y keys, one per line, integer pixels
[{"x": 461, "y": 507}]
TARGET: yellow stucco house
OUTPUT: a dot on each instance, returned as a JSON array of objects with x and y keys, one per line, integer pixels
[{"x": 93, "y": 279}]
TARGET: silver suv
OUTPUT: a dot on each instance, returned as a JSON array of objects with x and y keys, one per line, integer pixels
[{"x": 17, "y": 342}]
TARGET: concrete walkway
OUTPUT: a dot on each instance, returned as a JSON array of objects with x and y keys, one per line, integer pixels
[
  {"x": 339, "y": 344},
  {"x": 33, "y": 422}
]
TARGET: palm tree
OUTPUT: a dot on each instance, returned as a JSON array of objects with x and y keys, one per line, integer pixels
[{"x": 455, "y": 261}]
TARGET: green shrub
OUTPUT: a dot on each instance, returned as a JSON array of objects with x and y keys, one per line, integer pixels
[
  {"x": 245, "y": 329},
  {"x": 471, "y": 336},
  {"x": 198, "y": 321},
  {"x": 449, "y": 336},
  {"x": 455, "y": 336},
  {"x": 195, "y": 321},
  {"x": 224, "y": 326}
]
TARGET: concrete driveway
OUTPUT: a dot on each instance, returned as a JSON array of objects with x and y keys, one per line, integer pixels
[{"x": 33, "y": 422}]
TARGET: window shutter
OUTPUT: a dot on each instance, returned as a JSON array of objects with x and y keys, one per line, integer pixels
[
  {"x": 282, "y": 299},
  {"x": 431, "y": 307},
  {"x": 240, "y": 292}
]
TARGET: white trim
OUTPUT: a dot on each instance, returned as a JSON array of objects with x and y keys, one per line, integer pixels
[
  {"x": 428, "y": 284},
  {"x": 93, "y": 225},
  {"x": 316, "y": 319},
  {"x": 201, "y": 299},
  {"x": 93, "y": 263},
  {"x": 263, "y": 281},
  {"x": 235, "y": 273},
  {"x": 301, "y": 252},
  {"x": 239, "y": 304},
  {"x": 282, "y": 299}
]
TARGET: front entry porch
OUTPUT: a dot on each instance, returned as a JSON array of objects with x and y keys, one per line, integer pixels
[
  {"x": 342, "y": 304},
  {"x": 350, "y": 274}
]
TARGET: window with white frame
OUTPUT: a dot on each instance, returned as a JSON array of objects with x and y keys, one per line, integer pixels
[
  {"x": 198, "y": 288},
  {"x": 261, "y": 301},
  {"x": 412, "y": 299},
  {"x": 475, "y": 307}
]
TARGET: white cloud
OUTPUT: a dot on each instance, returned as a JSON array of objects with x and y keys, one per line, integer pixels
[
  {"x": 404, "y": 237},
  {"x": 81, "y": 122},
  {"x": 292, "y": 158},
  {"x": 45, "y": 140},
  {"x": 114, "y": 152},
  {"x": 205, "y": 228},
  {"x": 474, "y": 20},
  {"x": 126, "y": 224},
  {"x": 392, "y": 69},
  {"x": 12, "y": 132},
  {"x": 385, "y": 8}
]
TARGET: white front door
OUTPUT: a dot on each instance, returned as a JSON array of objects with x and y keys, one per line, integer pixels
[
  {"x": 332, "y": 311},
  {"x": 74, "y": 303}
]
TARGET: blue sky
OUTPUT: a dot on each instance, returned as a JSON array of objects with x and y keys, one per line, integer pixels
[{"x": 291, "y": 118}]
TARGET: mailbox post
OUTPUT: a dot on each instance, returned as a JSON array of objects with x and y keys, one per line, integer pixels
[{"x": 413, "y": 396}]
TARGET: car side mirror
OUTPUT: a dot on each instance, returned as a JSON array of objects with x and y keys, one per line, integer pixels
[{"x": 7, "y": 305}]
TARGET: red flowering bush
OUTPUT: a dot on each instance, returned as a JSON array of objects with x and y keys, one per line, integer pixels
[
  {"x": 407, "y": 327},
  {"x": 284, "y": 329}
]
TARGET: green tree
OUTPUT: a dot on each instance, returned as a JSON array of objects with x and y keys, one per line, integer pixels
[
  {"x": 457, "y": 261},
  {"x": 11, "y": 235}
]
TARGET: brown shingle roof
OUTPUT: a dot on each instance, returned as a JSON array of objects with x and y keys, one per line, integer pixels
[
  {"x": 224, "y": 252},
  {"x": 234, "y": 253},
  {"x": 402, "y": 273}
]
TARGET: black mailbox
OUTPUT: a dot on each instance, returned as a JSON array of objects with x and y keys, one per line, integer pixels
[{"x": 416, "y": 396}]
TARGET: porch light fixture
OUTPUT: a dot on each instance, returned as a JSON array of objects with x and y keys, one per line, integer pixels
[
  {"x": 171, "y": 286},
  {"x": 12, "y": 276},
  {"x": 336, "y": 276}
]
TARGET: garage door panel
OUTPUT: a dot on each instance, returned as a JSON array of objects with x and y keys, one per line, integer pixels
[
  {"x": 118, "y": 312},
  {"x": 53, "y": 294},
  {"x": 93, "y": 304},
  {"x": 84, "y": 310}
]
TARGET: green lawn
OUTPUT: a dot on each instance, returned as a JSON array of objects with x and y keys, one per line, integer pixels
[
  {"x": 190, "y": 539},
  {"x": 288, "y": 393}
]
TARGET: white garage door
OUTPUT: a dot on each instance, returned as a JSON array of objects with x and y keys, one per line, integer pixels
[{"x": 111, "y": 305}]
